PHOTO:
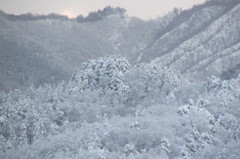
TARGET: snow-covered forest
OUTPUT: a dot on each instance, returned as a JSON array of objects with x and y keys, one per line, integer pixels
[{"x": 110, "y": 86}]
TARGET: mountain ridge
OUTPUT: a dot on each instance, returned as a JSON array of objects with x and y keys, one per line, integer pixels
[{"x": 65, "y": 43}]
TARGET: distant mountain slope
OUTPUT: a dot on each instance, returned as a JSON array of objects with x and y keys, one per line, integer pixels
[
  {"x": 63, "y": 44},
  {"x": 201, "y": 41},
  {"x": 20, "y": 69}
]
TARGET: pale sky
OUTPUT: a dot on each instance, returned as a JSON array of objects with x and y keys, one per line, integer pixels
[{"x": 144, "y": 9}]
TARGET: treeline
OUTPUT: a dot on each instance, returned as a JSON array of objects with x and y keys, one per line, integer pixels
[{"x": 93, "y": 16}]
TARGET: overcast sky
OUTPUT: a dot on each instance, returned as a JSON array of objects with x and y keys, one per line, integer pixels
[{"x": 144, "y": 9}]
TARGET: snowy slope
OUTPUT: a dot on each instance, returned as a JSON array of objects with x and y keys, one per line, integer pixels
[
  {"x": 111, "y": 110},
  {"x": 199, "y": 42},
  {"x": 64, "y": 44},
  {"x": 206, "y": 52}
]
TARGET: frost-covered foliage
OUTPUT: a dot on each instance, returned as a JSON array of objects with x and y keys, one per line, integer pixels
[
  {"x": 105, "y": 73},
  {"x": 109, "y": 109},
  {"x": 214, "y": 118}
]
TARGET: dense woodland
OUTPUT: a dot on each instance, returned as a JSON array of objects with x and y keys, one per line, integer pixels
[{"x": 110, "y": 86}]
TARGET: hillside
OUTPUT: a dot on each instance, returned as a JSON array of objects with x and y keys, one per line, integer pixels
[
  {"x": 110, "y": 109},
  {"x": 63, "y": 44},
  {"x": 58, "y": 44},
  {"x": 110, "y": 86},
  {"x": 203, "y": 41}
]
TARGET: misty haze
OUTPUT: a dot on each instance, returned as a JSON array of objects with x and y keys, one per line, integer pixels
[{"x": 117, "y": 84}]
